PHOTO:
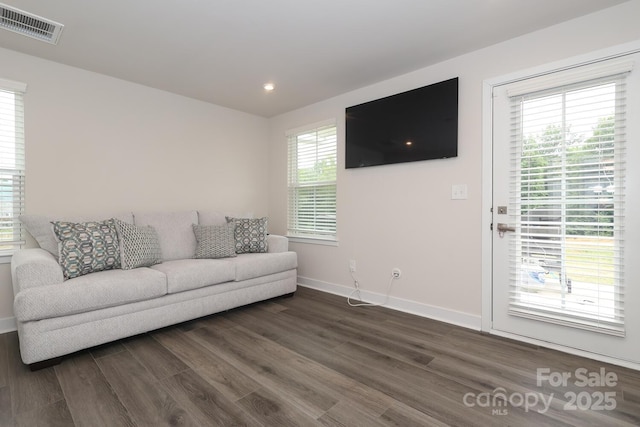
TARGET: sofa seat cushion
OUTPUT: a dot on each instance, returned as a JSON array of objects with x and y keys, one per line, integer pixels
[
  {"x": 249, "y": 266},
  {"x": 90, "y": 292},
  {"x": 187, "y": 274}
]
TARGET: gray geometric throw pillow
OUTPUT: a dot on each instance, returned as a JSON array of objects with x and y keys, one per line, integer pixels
[
  {"x": 140, "y": 245},
  {"x": 86, "y": 247},
  {"x": 250, "y": 234},
  {"x": 215, "y": 241}
]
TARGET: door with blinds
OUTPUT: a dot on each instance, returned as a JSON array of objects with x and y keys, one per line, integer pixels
[{"x": 565, "y": 208}]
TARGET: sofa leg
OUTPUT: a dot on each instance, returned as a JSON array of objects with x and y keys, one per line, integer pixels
[
  {"x": 288, "y": 295},
  {"x": 45, "y": 364}
]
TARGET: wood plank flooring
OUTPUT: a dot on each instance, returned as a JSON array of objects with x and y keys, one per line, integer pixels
[{"x": 312, "y": 360}]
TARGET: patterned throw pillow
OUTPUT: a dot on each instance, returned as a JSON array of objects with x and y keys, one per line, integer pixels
[
  {"x": 86, "y": 247},
  {"x": 250, "y": 234},
  {"x": 140, "y": 245},
  {"x": 215, "y": 241}
]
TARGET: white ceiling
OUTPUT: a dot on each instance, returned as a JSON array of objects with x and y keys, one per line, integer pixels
[{"x": 223, "y": 51}]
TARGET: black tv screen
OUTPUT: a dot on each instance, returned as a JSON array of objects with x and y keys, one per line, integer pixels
[{"x": 419, "y": 124}]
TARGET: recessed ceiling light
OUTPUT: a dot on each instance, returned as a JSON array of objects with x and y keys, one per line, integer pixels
[{"x": 269, "y": 87}]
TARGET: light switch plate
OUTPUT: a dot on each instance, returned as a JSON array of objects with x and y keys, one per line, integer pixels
[{"x": 459, "y": 192}]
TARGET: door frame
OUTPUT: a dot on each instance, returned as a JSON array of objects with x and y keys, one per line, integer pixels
[{"x": 487, "y": 187}]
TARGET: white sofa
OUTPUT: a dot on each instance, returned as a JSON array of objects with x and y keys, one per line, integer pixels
[{"x": 56, "y": 317}]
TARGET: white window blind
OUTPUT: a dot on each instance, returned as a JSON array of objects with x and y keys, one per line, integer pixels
[
  {"x": 312, "y": 182},
  {"x": 11, "y": 165},
  {"x": 567, "y": 199}
]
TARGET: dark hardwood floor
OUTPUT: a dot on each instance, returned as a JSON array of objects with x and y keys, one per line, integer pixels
[{"x": 312, "y": 360}]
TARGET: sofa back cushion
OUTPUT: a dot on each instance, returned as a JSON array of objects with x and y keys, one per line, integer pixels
[
  {"x": 211, "y": 218},
  {"x": 175, "y": 232},
  {"x": 40, "y": 227},
  {"x": 219, "y": 218}
]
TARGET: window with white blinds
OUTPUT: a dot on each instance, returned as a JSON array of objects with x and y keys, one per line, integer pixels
[
  {"x": 312, "y": 182},
  {"x": 567, "y": 198},
  {"x": 11, "y": 165}
]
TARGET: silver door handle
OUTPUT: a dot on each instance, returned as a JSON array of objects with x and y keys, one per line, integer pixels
[{"x": 504, "y": 228}]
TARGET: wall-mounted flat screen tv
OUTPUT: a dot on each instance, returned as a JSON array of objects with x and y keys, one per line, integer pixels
[{"x": 419, "y": 124}]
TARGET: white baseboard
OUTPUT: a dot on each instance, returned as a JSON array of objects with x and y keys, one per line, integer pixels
[
  {"x": 419, "y": 309},
  {"x": 8, "y": 324},
  {"x": 576, "y": 352}
]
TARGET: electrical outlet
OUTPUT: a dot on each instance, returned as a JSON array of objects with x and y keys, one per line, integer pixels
[
  {"x": 396, "y": 273},
  {"x": 352, "y": 265}
]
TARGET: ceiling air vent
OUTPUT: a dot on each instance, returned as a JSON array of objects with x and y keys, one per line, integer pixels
[{"x": 29, "y": 25}]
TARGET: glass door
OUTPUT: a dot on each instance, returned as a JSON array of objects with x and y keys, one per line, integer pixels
[{"x": 563, "y": 146}]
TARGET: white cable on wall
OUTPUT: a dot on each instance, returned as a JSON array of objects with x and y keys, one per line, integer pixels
[{"x": 356, "y": 285}]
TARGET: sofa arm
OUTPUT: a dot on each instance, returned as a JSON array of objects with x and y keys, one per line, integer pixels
[
  {"x": 276, "y": 243},
  {"x": 34, "y": 267}
]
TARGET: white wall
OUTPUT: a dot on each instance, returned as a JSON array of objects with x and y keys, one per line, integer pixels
[
  {"x": 403, "y": 215},
  {"x": 98, "y": 144}
]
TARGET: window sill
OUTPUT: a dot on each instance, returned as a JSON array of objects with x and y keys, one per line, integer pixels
[
  {"x": 5, "y": 259},
  {"x": 313, "y": 241}
]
